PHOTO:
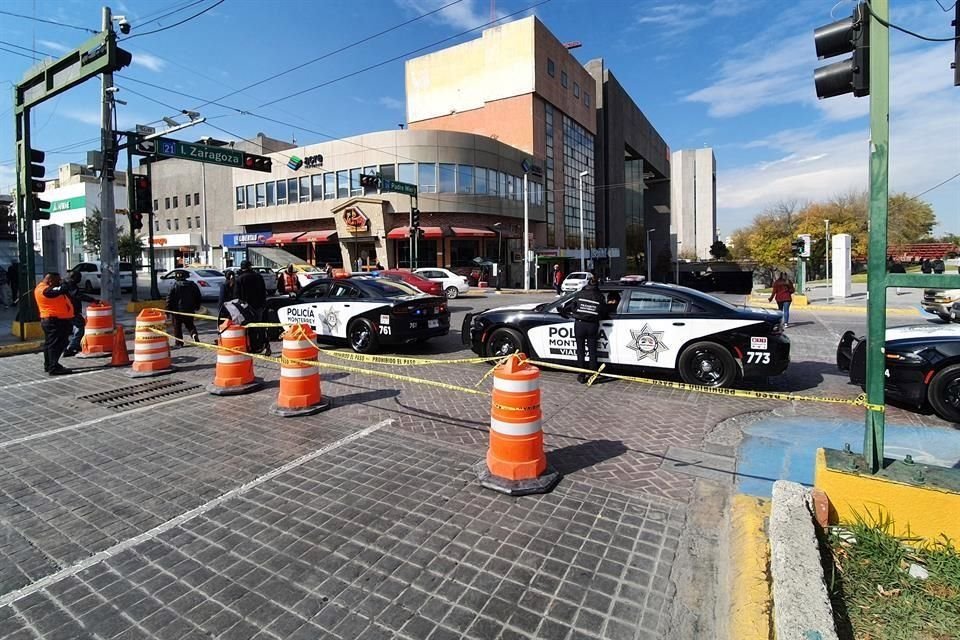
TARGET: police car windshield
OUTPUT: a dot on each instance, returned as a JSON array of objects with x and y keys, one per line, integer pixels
[{"x": 382, "y": 288}]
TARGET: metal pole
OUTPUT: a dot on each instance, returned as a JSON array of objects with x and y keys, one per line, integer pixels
[
  {"x": 649, "y": 261},
  {"x": 526, "y": 236},
  {"x": 826, "y": 250},
  {"x": 27, "y": 307},
  {"x": 133, "y": 234},
  {"x": 109, "y": 263},
  {"x": 154, "y": 289},
  {"x": 677, "y": 281},
  {"x": 877, "y": 252},
  {"x": 204, "y": 241},
  {"x": 583, "y": 266},
  {"x": 499, "y": 255}
]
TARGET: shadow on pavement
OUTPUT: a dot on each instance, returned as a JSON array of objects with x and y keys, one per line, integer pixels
[{"x": 580, "y": 456}]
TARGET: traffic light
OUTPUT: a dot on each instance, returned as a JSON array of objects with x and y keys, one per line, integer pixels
[
  {"x": 257, "y": 163},
  {"x": 109, "y": 163},
  {"x": 40, "y": 208},
  {"x": 796, "y": 247},
  {"x": 838, "y": 38},
  {"x": 136, "y": 220},
  {"x": 142, "y": 194},
  {"x": 121, "y": 58},
  {"x": 371, "y": 182},
  {"x": 415, "y": 218}
]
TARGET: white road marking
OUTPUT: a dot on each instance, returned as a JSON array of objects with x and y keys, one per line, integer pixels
[
  {"x": 106, "y": 554},
  {"x": 52, "y": 379},
  {"x": 88, "y": 423}
]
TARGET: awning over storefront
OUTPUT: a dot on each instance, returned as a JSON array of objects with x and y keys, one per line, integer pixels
[
  {"x": 470, "y": 232},
  {"x": 318, "y": 236},
  {"x": 401, "y": 233},
  {"x": 285, "y": 238}
]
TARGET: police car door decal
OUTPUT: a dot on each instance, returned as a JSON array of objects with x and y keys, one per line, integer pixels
[
  {"x": 657, "y": 341},
  {"x": 557, "y": 342},
  {"x": 328, "y": 318}
]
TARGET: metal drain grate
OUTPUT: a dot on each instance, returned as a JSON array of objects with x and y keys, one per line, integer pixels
[{"x": 138, "y": 395}]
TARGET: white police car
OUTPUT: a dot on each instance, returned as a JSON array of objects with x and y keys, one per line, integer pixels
[
  {"x": 650, "y": 327},
  {"x": 363, "y": 312}
]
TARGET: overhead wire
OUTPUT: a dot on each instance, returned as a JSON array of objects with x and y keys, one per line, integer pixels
[
  {"x": 181, "y": 7},
  {"x": 890, "y": 25},
  {"x": 54, "y": 22},
  {"x": 175, "y": 24}
]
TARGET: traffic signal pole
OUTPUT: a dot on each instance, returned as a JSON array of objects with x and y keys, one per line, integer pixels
[
  {"x": 131, "y": 206},
  {"x": 109, "y": 261},
  {"x": 877, "y": 244},
  {"x": 26, "y": 307}
]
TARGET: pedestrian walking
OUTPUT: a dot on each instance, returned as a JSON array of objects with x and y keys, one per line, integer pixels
[
  {"x": 588, "y": 308},
  {"x": 557, "y": 278},
  {"x": 56, "y": 319},
  {"x": 897, "y": 267},
  {"x": 251, "y": 290},
  {"x": 184, "y": 297},
  {"x": 77, "y": 298},
  {"x": 13, "y": 279},
  {"x": 5, "y": 293},
  {"x": 782, "y": 294}
]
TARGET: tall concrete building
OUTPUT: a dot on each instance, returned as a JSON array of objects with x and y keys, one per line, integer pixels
[{"x": 693, "y": 209}]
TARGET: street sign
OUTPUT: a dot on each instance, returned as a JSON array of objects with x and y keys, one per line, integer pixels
[
  {"x": 399, "y": 187},
  {"x": 198, "y": 152},
  {"x": 145, "y": 130}
]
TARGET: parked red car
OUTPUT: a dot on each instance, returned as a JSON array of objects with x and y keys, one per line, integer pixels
[{"x": 427, "y": 286}]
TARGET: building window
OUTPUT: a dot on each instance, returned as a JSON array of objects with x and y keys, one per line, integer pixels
[
  {"x": 316, "y": 186},
  {"x": 293, "y": 194},
  {"x": 577, "y": 157},
  {"x": 197, "y": 220},
  {"x": 427, "y": 177},
  {"x": 187, "y": 198},
  {"x": 156, "y": 224},
  {"x": 564, "y": 80},
  {"x": 492, "y": 182},
  {"x": 329, "y": 186},
  {"x": 166, "y": 203},
  {"x": 586, "y": 98},
  {"x": 369, "y": 171},
  {"x": 481, "y": 177},
  {"x": 189, "y": 222},
  {"x": 196, "y": 199},
  {"x": 156, "y": 205},
  {"x": 271, "y": 194},
  {"x": 281, "y": 192},
  {"x": 261, "y": 195},
  {"x": 548, "y": 177},
  {"x": 388, "y": 172},
  {"x": 464, "y": 178},
  {"x": 355, "y": 188},
  {"x": 168, "y": 225},
  {"x": 175, "y": 205},
  {"x": 343, "y": 184},
  {"x": 407, "y": 172},
  {"x": 502, "y": 179},
  {"x": 241, "y": 201},
  {"x": 576, "y": 90},
  {"x": 551, "y": 68},
  {"x": 304, "y": 188},
  {"x": 448, "y": 178},
  {"x": 251, "y": 196},
  {"x": 176, "y": 224}
]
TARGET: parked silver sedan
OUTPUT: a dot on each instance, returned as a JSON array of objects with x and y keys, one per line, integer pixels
[{"x": 209, "y": 281}]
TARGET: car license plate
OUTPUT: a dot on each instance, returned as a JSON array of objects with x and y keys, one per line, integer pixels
[{"x": 433, "y": 324}]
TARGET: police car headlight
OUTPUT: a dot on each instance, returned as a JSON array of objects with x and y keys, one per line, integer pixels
[{"x": 911, "y": 358}]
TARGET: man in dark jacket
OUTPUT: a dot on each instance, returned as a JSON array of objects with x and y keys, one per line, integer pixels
[
  {"x": 252, "y": 290},
  {"x": 184, "y": 297},
  {"x": 77, "y": 298},
  {"x": 588, "y": 307},
  {"x": 13, "y": 278}
]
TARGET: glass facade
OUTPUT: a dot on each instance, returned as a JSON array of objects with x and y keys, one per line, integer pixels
[
  {"x": 548, "y": 176},
  {"x": 577, "y": 157},
  {"x": 635, "y": 229}
]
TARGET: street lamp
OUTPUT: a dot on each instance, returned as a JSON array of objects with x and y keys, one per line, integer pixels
[
  {"x": 826, "y": 250},
  {"x": 649, "y": 260},
  {"x": 583, "y": 266},
  {"x": 499, "y": 227}
]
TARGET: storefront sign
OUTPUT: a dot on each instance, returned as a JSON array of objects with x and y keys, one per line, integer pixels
[
  {"x": 79, "y": 202},
  {"x": 356, "y": 220},
  {"x": 159, "y": 242},
  {"x": 313, "y": 161},
  {"x": 242, "y": 239}
]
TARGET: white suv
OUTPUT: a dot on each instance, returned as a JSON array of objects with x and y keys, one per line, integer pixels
[
  {"x": 575, "y": 281},
  {"x": 452, "y": 284},
  {"x": 90, "y": 276}
]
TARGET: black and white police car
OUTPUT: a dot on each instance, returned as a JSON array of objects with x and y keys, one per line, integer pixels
[
  {"x": 651, "y": 326},
  {"x": 922, "y": 366},
  {"x": 364, "y": 312}
]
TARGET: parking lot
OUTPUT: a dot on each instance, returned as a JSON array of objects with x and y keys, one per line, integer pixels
[{"x": 178, "y": 514}]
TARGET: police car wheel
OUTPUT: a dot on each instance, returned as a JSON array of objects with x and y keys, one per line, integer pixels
[
  {"x": 944, "y": 393},
  {"x": 363, "y": 339},
  {"x": 707, "y": 364},
  {"x": 503, "y": 342},
  {"x": 452, "y": 292}
]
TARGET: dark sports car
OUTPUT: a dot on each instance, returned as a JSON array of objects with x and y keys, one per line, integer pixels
[
  {"x": 363, "y": 312},
  {"x": 650, "y": 326},
  {"x": 922, "y": 366}
]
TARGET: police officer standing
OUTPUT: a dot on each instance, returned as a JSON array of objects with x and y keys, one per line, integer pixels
[
  {"x": 77, "y": 298},
  {"x": 56, "y": 318},
  {"x": 252, "y": 290},
  {"x": 184, "y": 297},
  {"x": 588, "y": 307}
]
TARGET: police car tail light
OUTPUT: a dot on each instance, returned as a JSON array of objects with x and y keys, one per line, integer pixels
[
  {"x": 442, "y": 308},
  {"x": 400, "y": 311}
]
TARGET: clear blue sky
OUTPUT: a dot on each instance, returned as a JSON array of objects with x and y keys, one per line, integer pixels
[{"x": 732, "y": 74}]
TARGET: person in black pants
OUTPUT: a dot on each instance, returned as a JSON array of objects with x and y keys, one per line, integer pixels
[
  {"x": 588, "y": 307},
  {"x": 252, "y": 290},
  {"x": 77, "y": 298},
  {"x": 184, "y": 297},
  {"x": 56, "y": 319}
]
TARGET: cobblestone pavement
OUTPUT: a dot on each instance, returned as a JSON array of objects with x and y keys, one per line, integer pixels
[{"x": 200, "y": 516}]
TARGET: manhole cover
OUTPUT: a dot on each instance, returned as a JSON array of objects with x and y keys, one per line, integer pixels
[{"x": 138, "y": 395}]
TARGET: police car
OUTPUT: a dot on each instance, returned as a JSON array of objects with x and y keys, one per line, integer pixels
[
  {"x": 650, "y": 327},
  {"x": 364, "y": 312}
]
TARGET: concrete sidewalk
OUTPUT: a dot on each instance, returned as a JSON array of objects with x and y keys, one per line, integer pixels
[{"x": 820, "y": 298}]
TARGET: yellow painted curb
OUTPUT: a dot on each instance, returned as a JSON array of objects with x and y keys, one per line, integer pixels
[
  {"x": 800, "y": 300},
  {"x": 31, "y": 330},
  {"x": 751, "y": 600},
  {"x": 18, "y": 348},
  {"x": 896, "y": 311},
  {"x": 916, "y": 510},
  {"x": 140, "y": 305}
]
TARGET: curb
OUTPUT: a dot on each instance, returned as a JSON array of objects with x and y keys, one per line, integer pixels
[
  {"x": 20, "y": 348},
  {"x": 894, "y": 311},
  {"x": 801, "y": 604},
  {"x": 751, "y": 601}
]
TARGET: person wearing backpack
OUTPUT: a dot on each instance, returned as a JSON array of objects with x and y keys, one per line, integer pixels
[{"x": 184, "y": 297}]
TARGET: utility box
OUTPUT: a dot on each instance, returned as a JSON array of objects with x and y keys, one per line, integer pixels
[
  {"x": 842, "y": 284},
  {"x": 54, "y": 251}
]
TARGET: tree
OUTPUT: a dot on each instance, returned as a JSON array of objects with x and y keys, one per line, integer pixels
[
  {"x": 91, "y": 232},
  {"x": 909, "y": 220},
  {"x": 719, "y": 250},
  {"x": 130, "y": 248}
]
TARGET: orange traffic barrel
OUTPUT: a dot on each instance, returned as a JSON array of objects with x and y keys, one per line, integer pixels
[
  {"x": 299, "y": 381},
  {"x": 516, "y": 463},
  {"x": 234, "y": 373},
  {"x": 151, "y": 351},
  {"x": 98, "y": 332}
]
